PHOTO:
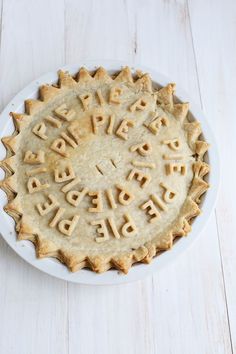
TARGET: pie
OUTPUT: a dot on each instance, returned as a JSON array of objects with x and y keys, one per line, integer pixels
[{"x": 104, "y": 171}]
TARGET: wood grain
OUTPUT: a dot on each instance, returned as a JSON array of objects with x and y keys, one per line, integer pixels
[
  {"x": 33, "y": 306},
  {"x": 32, "y": 43},
  {"x": 216, "y": 49},
  {"x": 189, "y": 306},
  {"x": 159, "y": 299}
]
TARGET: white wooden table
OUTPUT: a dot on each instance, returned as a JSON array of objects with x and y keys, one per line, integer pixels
[{"x": 190, "y": 306}]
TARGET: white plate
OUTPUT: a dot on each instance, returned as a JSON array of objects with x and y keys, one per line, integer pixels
[{"x": 53, "y": 267}]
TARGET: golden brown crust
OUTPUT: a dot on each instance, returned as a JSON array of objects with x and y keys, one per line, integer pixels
[
  {"x": 180, "y": 110},
  {"x": 33, "y": 106},
  {"x": 83, "y": 76},
  {"x": 193, "y": 130},
  {"x": 122, "y": 261},
  {"x": 165, "y": 95},
  {"x": 125, "y": 75},
  {"x": 65, "y": 79},
  {"x": 102, "y": 74},
  {"x": 144, "y": 83},
  {"x": 47, "y": 92}
]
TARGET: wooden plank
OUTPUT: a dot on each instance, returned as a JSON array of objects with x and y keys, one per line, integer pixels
[
  {"x": 1, "y": 10},
  {"x": 196, "y": 328},
  {"x": 32, "y": 43},
  {"x": 114, "y": 321},
  {"x": 190, "y": 296},
  {"x": 182, "y": 309},
  {"x": 33, "y": 310},
  {"x": 215, "y": 47},
  {"x": 162, "y": 40},
  {"x": 100, "y": 318},
  {"x": 96, "y": 30}
]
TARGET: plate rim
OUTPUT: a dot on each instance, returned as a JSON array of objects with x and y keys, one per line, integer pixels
[{"x": 26, "y": 250}]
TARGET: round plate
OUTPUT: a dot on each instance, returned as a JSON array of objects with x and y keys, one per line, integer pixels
[{"x": 53, "y": 267}]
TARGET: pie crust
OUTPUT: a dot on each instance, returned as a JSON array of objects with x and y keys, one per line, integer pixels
[{"x": 104, "y": 171}]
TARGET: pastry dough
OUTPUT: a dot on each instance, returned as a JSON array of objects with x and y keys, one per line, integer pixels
[{"x": 104, "y": 171}]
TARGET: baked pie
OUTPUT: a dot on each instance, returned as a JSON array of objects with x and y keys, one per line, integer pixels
[{"x": 104, "y": 171}]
